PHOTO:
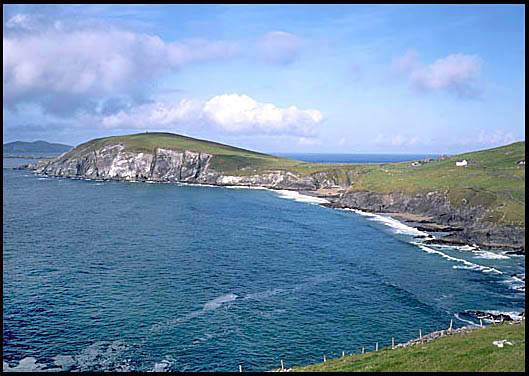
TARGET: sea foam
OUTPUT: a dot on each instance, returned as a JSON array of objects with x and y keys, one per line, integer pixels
[
  {"x": 296, "y": 196},
  {"x": 397, "y": 226},
  {"x": 467, "y": 264}
]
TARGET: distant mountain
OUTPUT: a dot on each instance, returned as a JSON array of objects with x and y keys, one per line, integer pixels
[{"x": 35, "y": 147}]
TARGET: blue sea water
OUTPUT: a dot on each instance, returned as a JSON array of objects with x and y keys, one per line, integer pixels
[{"x": 136, "y": 276}]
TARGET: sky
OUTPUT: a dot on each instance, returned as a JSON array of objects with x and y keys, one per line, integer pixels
[{"x": 270, "y": 78}]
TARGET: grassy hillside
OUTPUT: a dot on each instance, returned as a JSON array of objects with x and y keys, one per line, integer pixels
[
  {"x": 493, "y": 179},
  {"x": 228, "y": 159},
  {"x": 471, "y": 352},
  {"x": 34, "y": 147}
]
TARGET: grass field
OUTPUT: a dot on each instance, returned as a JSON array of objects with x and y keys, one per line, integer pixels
[
  {"x": 471, "y": 352},
  {"x": 493, "y": 179}
]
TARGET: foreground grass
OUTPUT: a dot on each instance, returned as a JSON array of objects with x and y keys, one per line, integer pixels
[{"x": 471, "y": 352}]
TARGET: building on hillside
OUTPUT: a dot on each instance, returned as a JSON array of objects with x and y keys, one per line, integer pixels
[
  {"x": 416, "y": 163},
  {"x": 427, "y": 160},
  {"x": 522, "y": 161},
  {"x": 461, "y": 163}
]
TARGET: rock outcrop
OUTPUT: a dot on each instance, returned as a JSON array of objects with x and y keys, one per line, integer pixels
[
  {"x": 113, "y": 163},
  {"x": 465, "y": 223}
]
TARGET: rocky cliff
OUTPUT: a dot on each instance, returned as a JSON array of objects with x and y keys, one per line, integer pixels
[
  {"x": 464, "y": 223},
  {"x": 163, "y": 165}
]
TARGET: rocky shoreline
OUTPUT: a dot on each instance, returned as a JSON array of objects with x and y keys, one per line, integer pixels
[{"x": 431, "y": 212}]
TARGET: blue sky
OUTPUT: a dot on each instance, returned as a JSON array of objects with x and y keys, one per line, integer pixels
[{"x": 271, "y": 78}]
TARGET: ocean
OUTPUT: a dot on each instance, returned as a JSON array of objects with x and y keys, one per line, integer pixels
[{"x": 109, "y": 276}]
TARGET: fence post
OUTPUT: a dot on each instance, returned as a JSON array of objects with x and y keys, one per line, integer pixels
[
  {"x": 343, "y": 354},
  {"x": 362, "y": 350},
  {"x": 324, "y": 358},
  {"x": 282, "y": 365},
  {"x": 392, "y": 342},
  {"x": 376, "y": 346},
  {"x": 240, "y": 367},
  {"x": 420, "y": 333},
  {"x": 450, "y": 324},
  {"x": 481, "y": 323}
]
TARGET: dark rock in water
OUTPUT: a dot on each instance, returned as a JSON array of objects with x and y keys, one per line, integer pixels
[
  {"x": 489, "y": 316},
  {"x": 516, "y": 252}
]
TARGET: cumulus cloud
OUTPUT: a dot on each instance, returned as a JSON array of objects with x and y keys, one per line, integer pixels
[
  {"x": 229, "y": 113},
  {"x": 87, "y": 63},
  {"x": 20, "y": 21},
  {"x": 67, "y": 68},
  {"x": 457, "y": 73}
]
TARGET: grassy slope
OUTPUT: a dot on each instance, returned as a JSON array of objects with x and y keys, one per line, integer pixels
[
  {"x": 496, "y": 181},
  {"x": 472, "y": 352},
  {"x": 228, "y": 159}
]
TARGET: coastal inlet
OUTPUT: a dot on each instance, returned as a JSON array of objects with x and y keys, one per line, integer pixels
[{"x": 108, "y": 276}]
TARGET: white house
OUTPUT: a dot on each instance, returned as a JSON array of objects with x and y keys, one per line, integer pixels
[{"x": 461, "y": 163}]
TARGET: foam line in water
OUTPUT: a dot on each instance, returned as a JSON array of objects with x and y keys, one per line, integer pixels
[
  {"x": 468, "y": 265},
  {"x": 208, "y": 306},
  {"x": 245, "y": 187},
  {"x": 490, "y": 255},
  {"x": 296, "y": 196},
  {"x": 216, "y": 303},
  {"x": 467, "y": 321},
  {"x": 397, "y": 226}
]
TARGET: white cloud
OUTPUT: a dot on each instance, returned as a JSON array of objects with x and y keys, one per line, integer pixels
[
  {"x": 457, "y": 72},
  {"x": 22, "y": 21},
  {"x": 229, "y": 113},
  {"x": 85, "y": 63}
]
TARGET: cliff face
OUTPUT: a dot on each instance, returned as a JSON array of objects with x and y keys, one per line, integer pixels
[
  {"x": 465, "y": 223},
  {"x": 112, "y": 163}
]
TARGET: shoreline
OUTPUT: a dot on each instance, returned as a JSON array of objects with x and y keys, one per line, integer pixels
[{"x": 328, "y": 197}]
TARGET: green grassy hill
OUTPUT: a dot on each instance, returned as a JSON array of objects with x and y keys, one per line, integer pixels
[
  {"x": 493, "y": 179},
  {"x": 471, "y": 352},
  {"x": 35, "y": 147},
  {"x": 228, "y": 159}
]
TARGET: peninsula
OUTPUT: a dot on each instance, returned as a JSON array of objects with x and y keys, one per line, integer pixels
[{"x": 472, "y": 198}]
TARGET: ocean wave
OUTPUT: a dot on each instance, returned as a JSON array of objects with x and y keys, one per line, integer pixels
[
  {"x": 516, "y": 283},
  {"x": 217, "y": 302},
  {"x": 397, "y": 226},
  {"x": 468, "y": 265},
  {"x": 490, "y": 255},
  {"x": 296, "y": 196},
  {"x": 208, "y": 306},
  {"x": 467, "y": 321},
  {"x": 245, "y": 187},
  {"x": 100, "y": 356},
  {"x": 465, "y": 247}
]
